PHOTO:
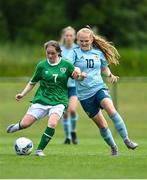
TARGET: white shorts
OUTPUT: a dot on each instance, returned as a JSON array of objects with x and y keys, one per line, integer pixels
[{"x": 39, "y": 111}]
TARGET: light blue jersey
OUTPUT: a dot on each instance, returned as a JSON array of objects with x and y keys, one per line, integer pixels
[
  {"x": 67, "y": 54},
  {"x": 90, "y": 62}
]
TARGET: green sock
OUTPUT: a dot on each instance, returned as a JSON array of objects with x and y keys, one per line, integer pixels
[{"x": 46, "y": 137}]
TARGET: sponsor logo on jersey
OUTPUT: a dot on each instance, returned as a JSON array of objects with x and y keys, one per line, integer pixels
[
  {"x": 63, "y": 69},
  {"x": 96, "y": 57}
]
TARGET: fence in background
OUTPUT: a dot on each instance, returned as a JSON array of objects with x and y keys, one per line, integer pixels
[{"x": 125, "y": 80}]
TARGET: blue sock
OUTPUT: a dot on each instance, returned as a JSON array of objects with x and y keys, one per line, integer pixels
[
  {"x": 120, "y": 125},
  {"x": 73, "y": 123},
  {"x": 107, "y": 136},
  {"x": 67, "y": 128}
]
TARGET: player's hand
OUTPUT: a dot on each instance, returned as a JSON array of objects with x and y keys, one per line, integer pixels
[
  {"x": 82, "y": 76},
  {"x": 113, "y": 78},
  {"x": 76, "y": 72},
  {"x": 18, "y": 97}
]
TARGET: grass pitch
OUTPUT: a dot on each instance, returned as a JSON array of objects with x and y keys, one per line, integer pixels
[{"x": 90, "y": 159}]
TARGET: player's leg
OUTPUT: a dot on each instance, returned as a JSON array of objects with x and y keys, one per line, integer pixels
[
  {"x": 105, "y": 132},
  {"x": 66, "y": 122},
  {"x": 55, "y": 113},
  {"x": 120, "y": 126},
  {"x": 92, "y": 109},
  {"x": 67, "y": 127},
  {"x": 26, "y": 122},
  {"x": 48, "y": 133},
  {"x": 73, "y": 102},
  {"x": 35, "y": 111}
]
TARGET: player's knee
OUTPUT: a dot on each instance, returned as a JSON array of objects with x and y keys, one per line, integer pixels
[
  {"x": 65, "y": 116},
  {"x": 52, "y": 123},
  {"x": 111, "y": 112},
  {"x": 72, "y": 112},
  {"x": 103, "y": 125}
]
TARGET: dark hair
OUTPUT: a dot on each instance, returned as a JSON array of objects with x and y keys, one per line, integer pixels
[{"x": 55, "y": 44}]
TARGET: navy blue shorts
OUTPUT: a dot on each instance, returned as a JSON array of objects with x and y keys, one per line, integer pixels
[
  {"x": 72, "y": 91},
  {"x": 92, "y": 105}
]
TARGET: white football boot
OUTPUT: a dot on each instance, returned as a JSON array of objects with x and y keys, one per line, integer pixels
[
  {"x": 13, "y": 128},
  {"x": 130, "y": 144},
  {"x": 39, "y": 153}
]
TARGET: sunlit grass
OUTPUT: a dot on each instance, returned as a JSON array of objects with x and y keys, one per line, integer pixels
[{"x": 91, "y": 157}]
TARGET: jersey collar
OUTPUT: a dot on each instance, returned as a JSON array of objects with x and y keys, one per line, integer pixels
[{"x": 54, "y": 63}]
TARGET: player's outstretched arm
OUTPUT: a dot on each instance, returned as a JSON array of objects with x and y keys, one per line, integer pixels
[
  {"x": 106, "y": 71},
  {"x": 26, "y": 90}
]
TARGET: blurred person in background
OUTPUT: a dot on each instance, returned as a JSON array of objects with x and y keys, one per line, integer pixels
[
  {"x": 70, "y": 117},
  {"x": 51, "y": 97},
  {"x": 93, "y": 57}
]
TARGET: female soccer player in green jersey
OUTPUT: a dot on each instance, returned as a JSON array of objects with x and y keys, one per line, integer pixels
[{"x": 51, "y": 97}]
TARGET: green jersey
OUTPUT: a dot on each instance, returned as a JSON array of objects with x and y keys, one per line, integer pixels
[{"x": 53, "y": 82}]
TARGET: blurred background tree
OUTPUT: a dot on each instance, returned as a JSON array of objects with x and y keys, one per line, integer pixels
[
  {"x": 33, "y": 21},
  {"x": 26, "y": 25}
]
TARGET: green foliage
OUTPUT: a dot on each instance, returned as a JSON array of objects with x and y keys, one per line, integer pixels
[
  {"x": 122, "y": 22},
  {"x": 133, "y": 62},
  {"x": 4, "y": 34},
  {"x": 20, "y": 60}
]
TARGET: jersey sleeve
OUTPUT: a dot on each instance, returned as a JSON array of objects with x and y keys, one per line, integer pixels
[
  {"x": 73, "y": 56},
  {"x": 104, "y": 62},
  {"x": 37, "y": 75},
  {"x": 71, "y": 69}
]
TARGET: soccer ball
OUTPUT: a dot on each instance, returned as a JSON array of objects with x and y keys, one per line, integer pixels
[{"x": 23, "y": 146}]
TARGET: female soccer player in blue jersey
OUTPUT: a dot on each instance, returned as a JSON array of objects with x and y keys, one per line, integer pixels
[
  {"x": 51, "y": 97},
  {"x": 70, "y": 116},
  {"x": 93, "y": 56}
]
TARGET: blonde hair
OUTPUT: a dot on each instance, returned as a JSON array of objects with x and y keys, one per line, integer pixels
[
  {"x": 62, "y": 41},
  {"x": 106, "y": 47}
]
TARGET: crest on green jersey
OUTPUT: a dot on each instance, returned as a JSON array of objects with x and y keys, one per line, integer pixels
[
  {"x": 46, "y": 72},
  {"x": 63, "y": 69}
]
